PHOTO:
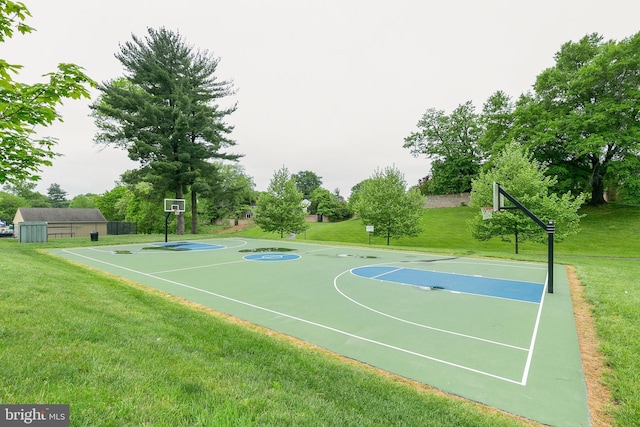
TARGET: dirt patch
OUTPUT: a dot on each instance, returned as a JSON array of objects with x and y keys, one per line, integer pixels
[{"x": 599, "y": 398}]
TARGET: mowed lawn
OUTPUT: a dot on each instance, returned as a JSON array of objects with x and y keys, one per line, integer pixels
[{"x": 122, "y": 355}]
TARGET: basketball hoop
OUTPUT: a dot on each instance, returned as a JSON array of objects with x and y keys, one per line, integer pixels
[
  {"x": 487, "y": 212},
  {"x": 176, "y": 206}
]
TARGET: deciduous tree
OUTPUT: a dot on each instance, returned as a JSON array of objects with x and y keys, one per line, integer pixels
[
  {"x": 26, "y": 190},
  {"x": 583, "y": 116},
  {"x": 331, "y": 205},
  {"x": 83, "y": 201},
  {"x": 280, "y": 208},
  {"x": 527, "y": 181},
  {"x": 451, "y": 143},
  {"x": 113, "y": 203},
  {"x": 9, "y": 205},
  {"x": 23, "y": 106},
  {"x": 307, "y": 182},
  {"x": 232, "y": 193},
  {"x": 496, "y": 121},
  {"x": 384, "y": 202}
]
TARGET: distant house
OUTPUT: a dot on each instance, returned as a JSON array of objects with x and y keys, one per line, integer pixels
[{"x": 63, "y": 222}]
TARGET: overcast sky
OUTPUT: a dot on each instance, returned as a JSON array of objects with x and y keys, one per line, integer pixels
[{"x": 330, "y": 86}]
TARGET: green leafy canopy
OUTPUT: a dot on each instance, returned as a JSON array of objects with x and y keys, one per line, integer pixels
[
  {"x": 25, "y": 106},
  {"x": 384, "y": 202},
  {"x": 280, "y": 208},
  {"x": 527, "y": 181},
  {"x": 165, "y": 113}
]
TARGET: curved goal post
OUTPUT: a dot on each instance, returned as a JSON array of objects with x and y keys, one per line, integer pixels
[{"x": 499, "y": 194}]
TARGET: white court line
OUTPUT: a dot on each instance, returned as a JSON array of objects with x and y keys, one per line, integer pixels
[
  {"x": 327, "y": 248},
  {"x": 479, "y": 275},
  {"x": 379, "y": 275},
  {"x": 527, "y": 366},
  {"x": 508, "y": 264},
  {"x": 443, "y": 272},
  {"x": 196, "y": 267},
  {"x": 534, "y": 334},
  {"x": 445, "y": 331},
  {"x": 309, "y": 322},
  {"x": 423, "y": 287},
  {"x": 139, "y": 247}
]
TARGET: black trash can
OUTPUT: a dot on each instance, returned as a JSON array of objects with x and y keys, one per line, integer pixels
[{"x": 94, "y": 236}]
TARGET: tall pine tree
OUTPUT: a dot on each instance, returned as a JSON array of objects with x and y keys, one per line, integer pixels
[{"x": 165, "y": 113}]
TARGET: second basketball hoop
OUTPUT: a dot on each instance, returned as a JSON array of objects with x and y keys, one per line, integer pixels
[{"x": 487, "y": 212}]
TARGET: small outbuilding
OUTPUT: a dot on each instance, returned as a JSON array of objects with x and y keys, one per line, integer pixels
[{"x": 63, "y": 222}]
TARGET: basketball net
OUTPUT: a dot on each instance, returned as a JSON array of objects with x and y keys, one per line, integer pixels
[{"x": 487, "y": 212}]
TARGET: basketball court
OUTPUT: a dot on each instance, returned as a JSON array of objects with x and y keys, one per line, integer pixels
[{"x": 483, "y": 329}]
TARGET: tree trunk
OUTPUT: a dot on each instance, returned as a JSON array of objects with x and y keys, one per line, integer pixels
[
  {"x": 516, "y": 239},
  {"x": 194, "y": 212},
  {"x": 597, "y": 190}
]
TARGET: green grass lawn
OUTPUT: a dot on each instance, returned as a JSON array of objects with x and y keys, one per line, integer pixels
[{"x": 122, "y": 355}]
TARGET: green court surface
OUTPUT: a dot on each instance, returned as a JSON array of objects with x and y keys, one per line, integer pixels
[{"x": 483, "y": 329}]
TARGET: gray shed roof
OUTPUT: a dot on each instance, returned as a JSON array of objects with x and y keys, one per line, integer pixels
[{"x": 62, "y": 214}]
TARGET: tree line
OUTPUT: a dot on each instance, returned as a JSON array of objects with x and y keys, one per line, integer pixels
[
  {"x": 580, "y": 120},
  {"x": 389, "y": 208},
  {"x": 169, "y": 112},
  {"x": 166, "y": 111},
  {"x": 235, "y": 196}
]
